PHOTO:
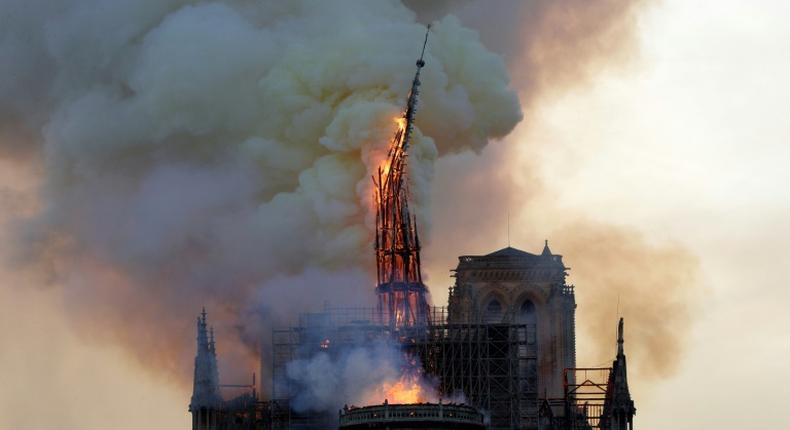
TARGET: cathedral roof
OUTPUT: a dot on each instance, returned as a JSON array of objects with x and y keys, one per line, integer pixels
[
  {"x": 511, "y": 252},
  {"x": 510, "y": 258}
]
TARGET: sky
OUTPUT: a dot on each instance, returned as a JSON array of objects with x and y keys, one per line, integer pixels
[{"x": 687, "y": 143}]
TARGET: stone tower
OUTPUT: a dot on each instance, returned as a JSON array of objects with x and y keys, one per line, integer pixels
[{"x": 516, "y": 287}]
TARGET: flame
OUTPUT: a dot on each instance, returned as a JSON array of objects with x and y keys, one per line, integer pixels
[
  {"x": 396, "y": 142},
  {"x": 411, "y": 387},
  {"x": 401, "y": 121},
  {"x": 404, "y": 391},
  {"x": 398, "y": 316},
  {"x": 385, "y": 163},
  {"x": 408, "y": 389}
]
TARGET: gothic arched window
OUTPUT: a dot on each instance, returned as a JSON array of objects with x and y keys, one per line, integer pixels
[
  {"x": 493, "y": 312},
  {"x": 528, "y": 315}
]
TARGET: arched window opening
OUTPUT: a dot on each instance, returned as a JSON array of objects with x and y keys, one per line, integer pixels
[
  {"x": 527, "y": 315},
  {"x": 493, "y": 312}
]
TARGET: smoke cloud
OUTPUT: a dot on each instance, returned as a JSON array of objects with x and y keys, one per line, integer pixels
[
  {"x": 655, "y": 287},
  {"x": 550, "y": 46},
  {"x": 219, "y": 154}
]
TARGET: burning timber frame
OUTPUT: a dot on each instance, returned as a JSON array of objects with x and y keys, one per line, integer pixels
[{"x": 402, "y": 296}]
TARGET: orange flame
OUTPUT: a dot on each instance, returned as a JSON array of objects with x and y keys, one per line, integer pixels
[
  {"x": 404, "y": 391},
  {"x": 410, "y": 388},
  {"x": 401, "y": 123}
]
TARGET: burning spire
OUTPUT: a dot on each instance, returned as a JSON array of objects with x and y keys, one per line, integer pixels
[{"x": 401, "y": 294}]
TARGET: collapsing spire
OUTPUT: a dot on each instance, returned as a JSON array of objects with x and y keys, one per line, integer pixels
[
  {"x": 205, "y": 391},
  {"x": 401, "y": 293}
]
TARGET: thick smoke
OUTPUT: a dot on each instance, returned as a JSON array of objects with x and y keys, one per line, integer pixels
[
  {"x": 550, "y": 46},
  {"x": 219, "y": 153}
]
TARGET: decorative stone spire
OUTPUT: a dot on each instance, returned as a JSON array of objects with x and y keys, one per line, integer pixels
[
  {"x": 619, "y": 408},
  {"x": 205, "y": 390}
]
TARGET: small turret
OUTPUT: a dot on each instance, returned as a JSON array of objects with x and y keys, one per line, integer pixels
[{"x": 546, "y": 251}]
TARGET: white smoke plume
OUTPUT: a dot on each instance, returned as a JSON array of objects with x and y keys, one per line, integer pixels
[{"x": 205, "y": 153}]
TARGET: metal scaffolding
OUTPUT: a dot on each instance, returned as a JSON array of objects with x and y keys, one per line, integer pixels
[
  {"x": 586, "y": 389},
  {"x": 493, "y": 366}
]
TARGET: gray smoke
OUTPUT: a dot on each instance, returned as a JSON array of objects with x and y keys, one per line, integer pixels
[
  {"x": 218, "y": 153},
  {"x": 215, "y": 153}
]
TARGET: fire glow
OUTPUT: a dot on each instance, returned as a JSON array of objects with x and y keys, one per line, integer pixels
[
  {"x": 410, "y": 388},
  {"x": 397, "y": 145}
]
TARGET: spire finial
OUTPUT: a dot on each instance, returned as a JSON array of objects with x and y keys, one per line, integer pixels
[
  {"x": 546, "y": 251},
  {"x": 203, "y": 314},
  {"x": 620, "y": 340},
  {"x": 420, "y": 62}
]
